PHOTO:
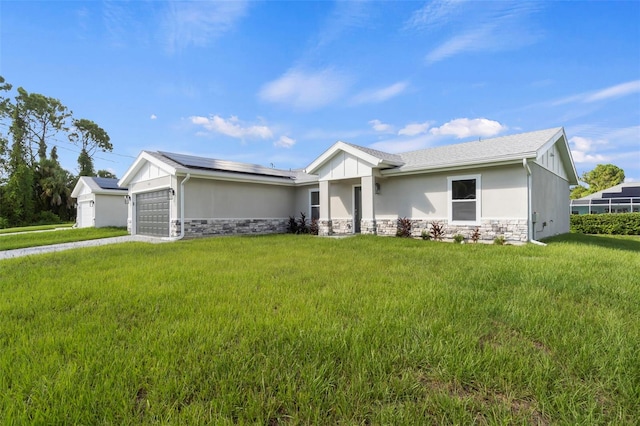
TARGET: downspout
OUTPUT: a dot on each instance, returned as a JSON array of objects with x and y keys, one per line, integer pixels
[
  {"x": 185, "y": 180},
  {"x": 530, "y": 223}
]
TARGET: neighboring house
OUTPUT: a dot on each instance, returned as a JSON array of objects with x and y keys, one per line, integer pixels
[
  {"x": 622, "y": 198},
  {"x": 101, "y": 202},
  {"x": 514, "y": 186}
]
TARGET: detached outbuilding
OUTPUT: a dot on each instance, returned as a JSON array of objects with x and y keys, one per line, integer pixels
[
  {"x": 100, "y": 201},
  {"x": 515, "y": 187}
]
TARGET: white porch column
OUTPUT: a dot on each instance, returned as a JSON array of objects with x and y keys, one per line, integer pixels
[
  {"x": 324, "y": 223},
  {"x": 368, "y": 221}
]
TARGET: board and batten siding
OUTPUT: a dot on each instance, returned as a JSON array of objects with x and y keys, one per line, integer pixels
[
  {"x": 343, "y": 166},
  {"x": 550, "y": 200}
]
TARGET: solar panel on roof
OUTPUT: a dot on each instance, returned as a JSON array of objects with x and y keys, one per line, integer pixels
[
  {"x": 107, "y": 183},
  {"x": 225, "y": 166}
]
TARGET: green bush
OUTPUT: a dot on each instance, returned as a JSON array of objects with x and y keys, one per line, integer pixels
[
  {"x": 46, "y": 218},
  {"x": 606, "y": 223}
]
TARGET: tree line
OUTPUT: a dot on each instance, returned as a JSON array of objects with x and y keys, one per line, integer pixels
[{"x": 33, "y": 185}]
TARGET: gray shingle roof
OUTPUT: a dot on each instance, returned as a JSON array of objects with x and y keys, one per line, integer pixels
[
  {"x": 385, "y": 156},
  {"x": 486, "y": 150}
]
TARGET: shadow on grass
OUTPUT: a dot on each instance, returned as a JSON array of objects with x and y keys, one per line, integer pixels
[{"x": 619, "y": 242}]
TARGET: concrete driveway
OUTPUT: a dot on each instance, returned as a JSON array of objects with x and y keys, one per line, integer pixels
[{"x": 8, "y": 254}]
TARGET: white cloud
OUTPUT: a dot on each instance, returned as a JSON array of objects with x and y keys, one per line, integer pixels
[
  {"x": 305, "y": 89},
  {"x": 616, "y": 91},
  {"x": 380, "y": 95},
  {"x": 381, "y": 127},
  {"x": 585, "y": 150},
  {"x": 486, "y": 26},
  {"x": 414, "y": 129},
  {"x": 232, "y": 127},
  {"x": 285, "y": 142},
  {"x": 197, "y": 23},
  {"x": 465, "y": 127},
  {"x": 346, "y": 15},
  {"x": 153, "y": 117},
  {"x": 434, "y": 14}
]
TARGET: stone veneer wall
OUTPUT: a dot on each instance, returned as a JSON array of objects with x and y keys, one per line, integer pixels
[
  {"x": 513, "y": 230},
  {"x": 342, "y": 226},
  {"x": 209, "y": 227}
]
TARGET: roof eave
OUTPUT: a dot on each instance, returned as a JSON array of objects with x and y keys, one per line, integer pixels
[
  {"x": 515, "y": 159},
  {"x": 236, "y": 177}
]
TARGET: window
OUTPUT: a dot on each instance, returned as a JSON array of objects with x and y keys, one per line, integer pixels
[
  {"x": 314, "y": 202},
  {"x": 464, "y": 199}
]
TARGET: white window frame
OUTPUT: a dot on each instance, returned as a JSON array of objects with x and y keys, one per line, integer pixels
[
  {"x": 311, "y": 205},
  {"x": 478, "y": 199}
]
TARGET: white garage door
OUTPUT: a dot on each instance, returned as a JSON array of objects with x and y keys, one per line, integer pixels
[
  {"x": 85, "y": 214},
  {"x": 152, "y": 213}
]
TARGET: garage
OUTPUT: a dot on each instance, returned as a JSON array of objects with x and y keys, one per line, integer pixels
[{"x": 152, "y": 213}]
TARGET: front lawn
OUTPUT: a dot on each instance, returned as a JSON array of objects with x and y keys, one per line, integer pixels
[
  {"x": 306, "y": 330},
  {"x": 36, "y": 228},
  {"x": 35, "y": 239}
]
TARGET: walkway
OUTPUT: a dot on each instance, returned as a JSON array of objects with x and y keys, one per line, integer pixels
[{"x": 8, "y": 254}]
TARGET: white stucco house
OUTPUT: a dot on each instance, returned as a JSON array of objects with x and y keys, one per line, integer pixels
[
  {"x": 514, "y": 186},
  {"x": 100, "y": 202}
]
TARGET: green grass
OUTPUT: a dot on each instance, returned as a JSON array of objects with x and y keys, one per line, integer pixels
[
  {"x": 35, "y": 239},
  {"x": 36, "y": 228},
  {"x": 306, "y": 330}
]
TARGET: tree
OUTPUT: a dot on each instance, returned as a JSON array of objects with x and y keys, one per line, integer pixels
[
  {"x": 90, "y": 138},
  {"x": 5, "y": 112},
  {"x": 106, "y": 174},
  {"x": 19, "y": 191},
  {"x": 53, "y": 187},
  {"x": 603, "y": 176},
  {"x": 42, "y": 117}
]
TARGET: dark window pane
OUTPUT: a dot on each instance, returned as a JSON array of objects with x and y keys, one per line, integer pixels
[
  {"x": 315, "y": 213},
  {"x": 463, "y": 189},
  {"x": 315, "y": 198},
  {"x": 464, "y": 210}
]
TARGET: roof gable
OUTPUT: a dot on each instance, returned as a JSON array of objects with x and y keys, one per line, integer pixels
[
  {"x": 96, "y": 185},
  {"x": 373, "y": 157},
  {"x": 147, "y": 157}
]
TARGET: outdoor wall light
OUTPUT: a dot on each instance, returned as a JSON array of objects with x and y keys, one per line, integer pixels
[
  {"x": 127, "y": 199},
  {"x": 172, "y": 193},
  {"x": 377, "y": 188},
  {"x": 92, "y": 203}
]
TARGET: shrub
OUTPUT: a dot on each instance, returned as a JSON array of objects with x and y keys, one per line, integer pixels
[
  {"x": 458, "y": 238},
  {"x": 500, "y": 241},
  {"x": 303, "y": 226},
  {"x": 437, "y": 231},
  {"x": 4, "y": 222},
  {"x": 425, "y": 235},
  {"x": 475, "y": 235},
  {"x": 292, "y": 226},
  {"x": 404, "y": 227},
  {"x": 313, "y": 228},
  {"x": 606, "y": 223},
  {"x": 46, "y": 218}
]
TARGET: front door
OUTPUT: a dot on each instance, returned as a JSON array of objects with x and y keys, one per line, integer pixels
[{"x": 357, "y": 208}]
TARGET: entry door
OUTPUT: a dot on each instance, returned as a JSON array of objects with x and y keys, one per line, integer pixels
[{"x": 357, "y": 207}]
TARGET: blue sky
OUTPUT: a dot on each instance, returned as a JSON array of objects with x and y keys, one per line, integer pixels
[{"x": 279, "y": 82}]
